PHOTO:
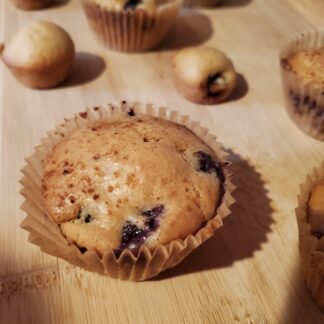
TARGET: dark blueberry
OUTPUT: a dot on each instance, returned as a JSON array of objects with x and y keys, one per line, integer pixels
[
  {"x": 132, "y": 236},
  {"x": 318, "y": 234},
  {"x": 132, "y": 4},
  {"x": 84, "y": 216},
  {"x": 214, "y": 88},
  {"x": 208, "y": 165},
  {"x": 131, "y": 112},
  {"x": 88, "y": 219},
  {"x": 312, "y": 104},
  {"x": 206, "y": 162},
  {"x": 153, "y": 212},
  {"x": 152, "y": 224},
  {"x": 83, "y": 249},
  {"x": 306, "y": 100},
  {"x": 296, "y": 100},
  {"x": 285, "y": 64},
  {"x": 67, "y": 170}
]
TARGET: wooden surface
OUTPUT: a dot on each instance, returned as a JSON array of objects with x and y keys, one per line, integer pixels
[{"x": 249, "y": 271}]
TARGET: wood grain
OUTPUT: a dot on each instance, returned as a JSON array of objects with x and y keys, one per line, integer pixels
[{"x": 249, "y": 272}]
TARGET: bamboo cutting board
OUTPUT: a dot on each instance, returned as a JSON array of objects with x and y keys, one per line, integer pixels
[{"x": 249, "y": 271}]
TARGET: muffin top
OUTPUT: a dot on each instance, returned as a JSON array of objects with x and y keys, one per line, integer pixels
[
  {"x": 39, "y": 45},
  {"x": 131, "y": 180},
  {"x": 308, "y": 64},
  {"x": 316, "y": 212},
  {"x": 147, "y": 5}
]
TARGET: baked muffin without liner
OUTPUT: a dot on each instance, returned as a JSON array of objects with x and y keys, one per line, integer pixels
[
  {"x": 129, "y": 181},
  {"x": 203, "y": 75},
  {"x": 40, "y": 55}
]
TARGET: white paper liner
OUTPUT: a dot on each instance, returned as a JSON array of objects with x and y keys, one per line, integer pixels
[
  {"x": 47, "y": 235},
  {"x": 312, "y": 260},
  {"x": 131, "y": 30},
  {"x": 304, "y": 100}
]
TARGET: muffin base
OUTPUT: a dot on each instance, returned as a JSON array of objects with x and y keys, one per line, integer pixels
[
  {"x": 312, "y": 261},
  {"x": 127, "y": 266}
]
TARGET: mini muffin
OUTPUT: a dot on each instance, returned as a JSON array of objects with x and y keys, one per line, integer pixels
[
  {"x": 126, "y": 190},
  {"x": 31, "y": 4},
  {"x": 131, "y": 181},
  {"x": 310, "y": 217},
  {"x": 201, "y": 3},
  {"x": 302, "y": 66},
  {"x": 40, "y": 55},
  {"x": 131, "y": 25},
  {"x": 203, "y": 75}
]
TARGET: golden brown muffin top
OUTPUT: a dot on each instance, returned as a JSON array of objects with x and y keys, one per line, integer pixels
[
  {"x": 130, "y": 181},
  {"x": 308, "y": 64}
]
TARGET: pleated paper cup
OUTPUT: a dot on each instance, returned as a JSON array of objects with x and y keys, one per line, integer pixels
[
  {"x": 310, "y": 246},
  {"x": 201, "y": 3},
  {"x": 128, "y": 266},
  {"x": 304, "y": 99},
  {"x": 131, "y": 30}
]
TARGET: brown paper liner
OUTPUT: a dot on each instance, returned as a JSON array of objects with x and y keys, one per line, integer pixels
[
  {"x": 312, "y": 260},
  {"x": 31, "y": 4},
  {"x": 201, "y": 3},
  {"x": 131, "y": 30},
  {"x": 146, "y": 264},
  {"x": 304, "y": 100}
]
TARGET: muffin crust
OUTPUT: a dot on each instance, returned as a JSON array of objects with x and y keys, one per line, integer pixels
[
  {"x": 133, "y": 180},
  {"x": 308, "y": 64}
]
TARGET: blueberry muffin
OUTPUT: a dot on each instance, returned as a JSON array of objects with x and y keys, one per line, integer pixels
[
  {"x": 40, "y": 55},
  {"x": 131, "y": 25},
  {"x": 310, "y": 219},
  {"x": 302, "y": 66},
  {"x": 203, "y": 75},
  {"x": 129, "y": 181}
]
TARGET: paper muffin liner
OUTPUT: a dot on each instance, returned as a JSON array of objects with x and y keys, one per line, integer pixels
[
  {"x": 312, "y": 260},
  {"x": 128, "y": 266},
  {"x": 201, "y": 3},
  {"x": 131, "y": 30},
  {"x": 304, "y": 99}
]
